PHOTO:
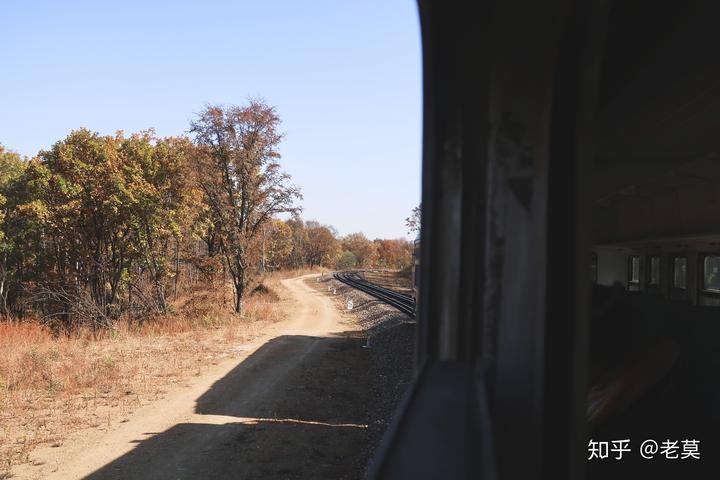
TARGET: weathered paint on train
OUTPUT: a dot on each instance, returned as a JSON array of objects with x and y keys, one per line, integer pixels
[{"x": 416, "y": 273}]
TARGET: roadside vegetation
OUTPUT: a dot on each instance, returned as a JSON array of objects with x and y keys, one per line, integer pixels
[
  {"x": 102, "y": 228},
  {"x": 54, "y": 385},
  {"x": 128, "y": 263}
]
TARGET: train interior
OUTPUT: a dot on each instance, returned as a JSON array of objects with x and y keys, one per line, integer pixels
[
  {"x": 577, "y": 139},
  {"x": 660, "y": 235},
  {"x": 655, "y": 233},
  {"x": 656, "y": 197}
]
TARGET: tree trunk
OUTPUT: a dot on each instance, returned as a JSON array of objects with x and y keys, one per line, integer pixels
[
  {"x": 239, "y": 282},
  {"x": 160, "y": 292}
]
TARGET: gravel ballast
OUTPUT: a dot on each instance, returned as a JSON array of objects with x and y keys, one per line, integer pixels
[{"x": 390, "y": 337}]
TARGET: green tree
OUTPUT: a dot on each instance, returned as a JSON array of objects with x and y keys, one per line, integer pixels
[
  {"x": 162, "y": 200},
  {"x": 103, "y": 214},
  {"x": 346, "y": 261},
  {"x": 12, "y": 167},
  {"x": 79, "y": 198},
  {"x": 361, "y": 247}
]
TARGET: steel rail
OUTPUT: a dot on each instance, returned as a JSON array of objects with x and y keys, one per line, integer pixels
[
  {"x": 404, "y": 303},
  {"x": 402, "y": 297}
]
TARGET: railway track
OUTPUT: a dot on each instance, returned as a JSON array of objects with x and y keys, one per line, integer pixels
[{"x": 404, "y": 303}]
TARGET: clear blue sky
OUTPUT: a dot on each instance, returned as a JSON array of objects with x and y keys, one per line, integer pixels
[{"x": 344, "y": 75}]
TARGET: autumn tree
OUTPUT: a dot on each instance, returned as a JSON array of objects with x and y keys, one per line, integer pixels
[
  {"x": 76, "y": 192},
  {"x": 162, "y": 201},
  {"x": 396, "y": 253},
  {"x": 277, "y": 244},
  {"x": 101, "y": 211},
  {"x": 413, "y": 221},
  {"x": 360, "y": 246},
  {"x": 299, "y": 242},
  {"x": 346, "y": 260},
  {"x": 12, "y": 167},
  {"x": 322, "y": 246},
  {"x": 241, "y": 179}
]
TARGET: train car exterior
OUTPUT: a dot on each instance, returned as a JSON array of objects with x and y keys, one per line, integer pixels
[
  {"x": 416, "y": 271},
  {"x": 554, "y": 134}
]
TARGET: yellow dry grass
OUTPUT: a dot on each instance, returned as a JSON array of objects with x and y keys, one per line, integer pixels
[
  {"x": 51, "y": 386},
  {"x": 400, "y": 280}
]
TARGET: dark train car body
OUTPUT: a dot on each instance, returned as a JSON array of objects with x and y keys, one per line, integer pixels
[
  {"x": 555, "y": 134},
  {"x": 416, "y": 270}
]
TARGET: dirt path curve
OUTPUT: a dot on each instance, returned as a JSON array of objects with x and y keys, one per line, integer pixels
[{"x": 293, "y": 407}]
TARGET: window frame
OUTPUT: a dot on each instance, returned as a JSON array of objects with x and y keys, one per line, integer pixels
[
  {"x": 673, "y": 257},
  {"x": 702, "y": 290},
  {"x": 630, "y": 280},
  {"x": 649, "y": 263}
]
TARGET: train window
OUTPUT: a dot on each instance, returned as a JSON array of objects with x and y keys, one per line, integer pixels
[
  {"x": 634, "y": 276},
  {"x": 679, "y": 265},
  {"x": 711, "y": 273},
  {"x": 654, "y": 271}
]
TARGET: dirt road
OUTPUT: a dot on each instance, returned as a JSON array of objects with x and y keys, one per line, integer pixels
[{"x": 294, "y": 406}]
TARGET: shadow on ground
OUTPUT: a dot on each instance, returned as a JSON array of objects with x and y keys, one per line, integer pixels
[
  {"x": 296, "y": 408},
  {"x": 391, "y": 338}
]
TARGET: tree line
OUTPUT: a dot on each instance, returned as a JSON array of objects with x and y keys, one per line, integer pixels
[{"x": 104, "y": 226}]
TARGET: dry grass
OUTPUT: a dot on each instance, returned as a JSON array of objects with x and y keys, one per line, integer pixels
[
  {"x": 399, "y": 280},
  {"x": 282, "y": 274},
  {"x": 52, "y": 386}
]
